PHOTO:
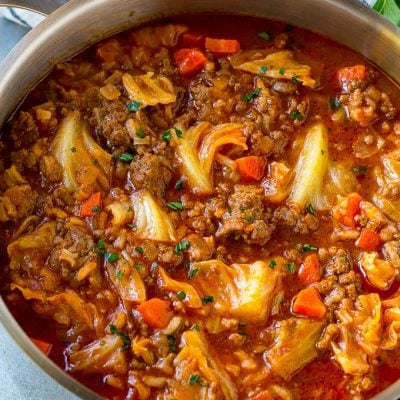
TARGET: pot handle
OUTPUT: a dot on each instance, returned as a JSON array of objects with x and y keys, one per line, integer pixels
[{"x": 44, "y": 7}]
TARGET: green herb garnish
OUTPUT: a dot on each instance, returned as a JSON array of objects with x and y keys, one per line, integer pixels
[
  {"x": 272, "y": 263},
  {"x": 124, "y": 336},
  {"x": 208, "y": 299},
  {"x": 248, "y": 218},
  {"x": 195, "y": 378},
  {"x": 263, "y": 69},
  {"x": 196, "y": 327},
  {"x": 96, "y": 209},
  {"x": 73, "y": 149},
  {"x": 140, "y": 133},
  {"x": 252, "y": 95},
  {"x": 310, "y": 209},
  {"x": 166, "y": 136},
  {"x": 125, "y": 157},
  {"x": 175, "y": 205},
  {"x": 181, "y": 246},
  {"x": 282, "y": 71},
  {"x": 138, "y": 267},
  {"x": 192, "y": 273},
  {"x": 134, "y": 106},
  {"x": 264, "y": 36},
  {"x": 179, "y": 184},
  {"x": 359, "y": 169},
  {"x": 290, "y": 267},
  {"x": 179, "y": 133},
  {"x": 153, "y": 266},
  {"x": 181, "y": 295},
  {"x": 295, "y": 78},
  {"x": 139, "y": 249},
  {"x": 308, "y": 247},
  {"x": 334, "y": 103},
  {"x": 120, "y": 274},
  {"x": 111, "y": 257},
  {"x": 100, "y": 247},
  {"x": 296, "y": 115},
  {"x": 172, "y": 343}
]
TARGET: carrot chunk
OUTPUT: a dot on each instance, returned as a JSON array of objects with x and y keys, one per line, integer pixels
[
  {"x": 44, "y": 347},
  {"x": 192, "y": 39},
  {"x": 309, "y": 271},
  {"x": 251, "y": 167},
  {"x": 156, "y": 312},
  {"x": 91, "y": 206},
  {"x": 344, "y": 75},
  {"x": 309, "y": 303},
  {"x": 189, "y": 61},
  {"x": 368, "y": 240},
  {"x": 222, "y": 46}
]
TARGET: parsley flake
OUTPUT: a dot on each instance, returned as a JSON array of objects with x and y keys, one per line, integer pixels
[
  {"x": 310, "y": 209},
  {"x": 175, "y": 205},
  {"x": 140, "y": 133},
  {"x": 96, "y": 209},
  {"x": 181, "y": 246},
  {"x": 295, "y": 78},
  {"x": 359, "y": 169},
  {"x": 120, "y": 274},
  {"x": 73, "y": 149},
  {"x": 193, "y": 379},
  {"x": 252, "y": 95},
  {"x": 272, "y": 263},
  {"x": 264, "y": 36},
  {"x": 290, "y": 267},
  {"x": 125, "y": 157},
  {"x": 196, "y": 327},
  {"x": 124, "y": 336},
  {"x": 100, "y": 247},
  {"x": 139, "y": 249},
  {"x": 263, "y": 69},
  {"x": 166, "y": 136},
  {"x": 179, "y": 133},
  {"x": 208, "y": 299},
  {"x": 296, "y": 115},
  {"x": 134, "y": 106},
  {"x": 308, "y": 247},
  {"x": 334, "y": 103},
  {"x": 282, "y": 71},
  {"x": 192, "y": 273},
  {"x": 138, "y": 267},
  {"x": 153, "y": 266},
  {"x": 181, "y": 295},
  {"x": 248, "y": 218},
  {"x": 179, "y": 184},
  {"x": 112, "y": 257}
]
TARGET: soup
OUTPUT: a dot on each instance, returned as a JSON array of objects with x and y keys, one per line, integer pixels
[{"x": 195, "y": 211}]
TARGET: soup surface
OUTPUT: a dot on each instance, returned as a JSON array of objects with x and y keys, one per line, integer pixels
[{"x": 208, "y": 208}]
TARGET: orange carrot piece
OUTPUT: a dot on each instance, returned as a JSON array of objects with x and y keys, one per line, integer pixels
[
  {"x": 352, "y": 208},
  {"x": 251, "y": 167},
  {"x": 44, "y": 347},
  {"x": 189, "y": 61},
  {"x": 344, "y": 75},
  {"x": 309, "y": 271},
  {"x": 156, "y": 312},
  {"x": 222, "y": 46},
  {"x": 91, "y": 206},
  {"x": 368, "y": 240},
  {"x": 309, "y": 303},
  {"x": 192, "y": 39}
]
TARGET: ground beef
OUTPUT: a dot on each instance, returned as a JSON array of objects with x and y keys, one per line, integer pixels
[
  {"x": 246, "y": 217},
  {"x": 24, "y": 130},
  {"x": 152, "y": 172},
  {"x": 166, "y": 255},
  {"x": 23, "y": 199},
  {"x": 292, "y": 217}
]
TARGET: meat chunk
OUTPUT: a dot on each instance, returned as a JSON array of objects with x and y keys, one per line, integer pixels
[
  {"x": 247, "y": 218},
  {"x": 24, "y": 130},
  {"x": 152, "y": 172},
  {"x": 293, "y": 218},
  {"x": 23, "y": 200}
]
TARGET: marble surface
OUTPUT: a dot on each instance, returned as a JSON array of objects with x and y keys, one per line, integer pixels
[{"x": 20, "y": 378}]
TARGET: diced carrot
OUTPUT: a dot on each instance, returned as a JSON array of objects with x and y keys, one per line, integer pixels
[
  {"x": 192, "y": 39},
  {"x": 347, "y": 210},
  {"x": 91, "y": 206},
  {"x": 222, "y": 46},
  {"x": 308, "y": 302},
  {"x": 309, "y": 271},
  {"x": 251, "y": 167},
  {"x": 368, "y": 240},
  {"x": 44, "y": 347},
  {"x": 156, "y": 312},
  {"x": 344, "y": 75},
  {"x": 189, "y": 61}
]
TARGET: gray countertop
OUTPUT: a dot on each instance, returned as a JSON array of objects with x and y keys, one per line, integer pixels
[{"x": 20, "y": 378}]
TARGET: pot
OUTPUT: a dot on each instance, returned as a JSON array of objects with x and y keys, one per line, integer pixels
[{"x": 80, "y": 23}]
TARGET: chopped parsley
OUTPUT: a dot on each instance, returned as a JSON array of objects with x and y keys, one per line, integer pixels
[
  {"x": 264, "y": 36},
  {"x": 310, "y": 209},
  {"x": 272, "y": 263},
  {"x": 290, "y": 267},
  {"x": 175, "y": 205},
  {"x": 252, "y": 95},
  {"x": 166, "y": 136},
  {"x": 172, "y": 343},
  {"x": 153, "y": 266},
  {"x": 134, "y": 106},
  {"x": 248, "y": 218},
  {"x": 139, "y": 249},
  {"x": 359, "y": 169},
  {"x": 296, "y": 115},
  {"x": 263, "y": 69},
  {"x": 308, "y": 247},
  {"x": 179, "y": 133},
  {"x": 94, "y": 161},
  {"x": 186, "y": 264},
  {"x": 334, "y": 103},
  {"x": 295, "y": 78},
  {"x": 130, "y": 209},
  {"x": 112, "y": 257},
  {"x": 132, "y": 226},
  {"x": 181, "y": 246},
  {"x": 208, "y": 299},
  {"x": 179, "y": 184},
  {"x": 282, "y": 71},
  {"x": 196, "y": 327},
  {"x": 125, "y": 157},
  {"x": 73, "y": 149},
  {"x": 192, "y": 273},
  {"x": 181, "y": 295},
  {"x": 96, "y": 209},
  {"x": 120, "y": 274},
  {"x": 140, "y": 133},
  {"x": 138, "y": 267},
  {"x": 124, "y": 336},
  {"x": 195, "y": 378},
  {"x": 100, "y": 247}
]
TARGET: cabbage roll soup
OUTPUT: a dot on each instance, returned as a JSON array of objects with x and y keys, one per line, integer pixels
[{"x": 195, "y": 211}]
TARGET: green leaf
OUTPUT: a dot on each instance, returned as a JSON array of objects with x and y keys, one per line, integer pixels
[
  {"x": 126, "y": 157},
  {"x": 139, "y": 249},
  {"x": 134, "y": 106},
  {"x": 252, "y": 95},
  {"x": 263, "y": 69},
  {"x": 390, "y": 9},
  {"x": 112, "y": 257},
  {"x": 264, "y": 36},
  {"x": 181, "y": 246},
  {"x": 308, "y": 247},
  {"x": 124, "y": 336},
  {"x": 175, "y": 205},
  {"x": 166, "y": 136},
  {"x": 272, "y": 264},
  {"x": 140, "y": 134},
  {"x": 208, "y": 299},
  {"x": 181, "y": 295},
  {"x": 100, "y": 247}
]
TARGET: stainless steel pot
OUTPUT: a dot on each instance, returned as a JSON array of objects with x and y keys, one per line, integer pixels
[{"x": 81, "y": 23}]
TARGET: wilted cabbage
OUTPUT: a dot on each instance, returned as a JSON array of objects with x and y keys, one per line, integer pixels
[
  {"x": 105, "y": 355},
  {"x": 243, "y": 291},
  {"x": 360, "y": 333},
  {"x": 294, "y": 345},
  {"x": 85, "y": 164},
  {"x": 120, "y": 211},
  {"x": 197, "y": 147},
  {"x": 277, "y": 184},
  {"x": 380, "y": 273},
  {"x": 151, "y": 221},
  {"x": 31, "y": 250},
  {"x": 279, "y": 65},
  {"x": 317, "y": 180},
  {"x": 192, "y": 298},
  {"x": 149, "y": 90},
  {"x": 127, "y": 281},
  {"x": 156, "y": 36},
  {"x": 391, "y": 318},
  {"x": 195, "y": 359}
]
